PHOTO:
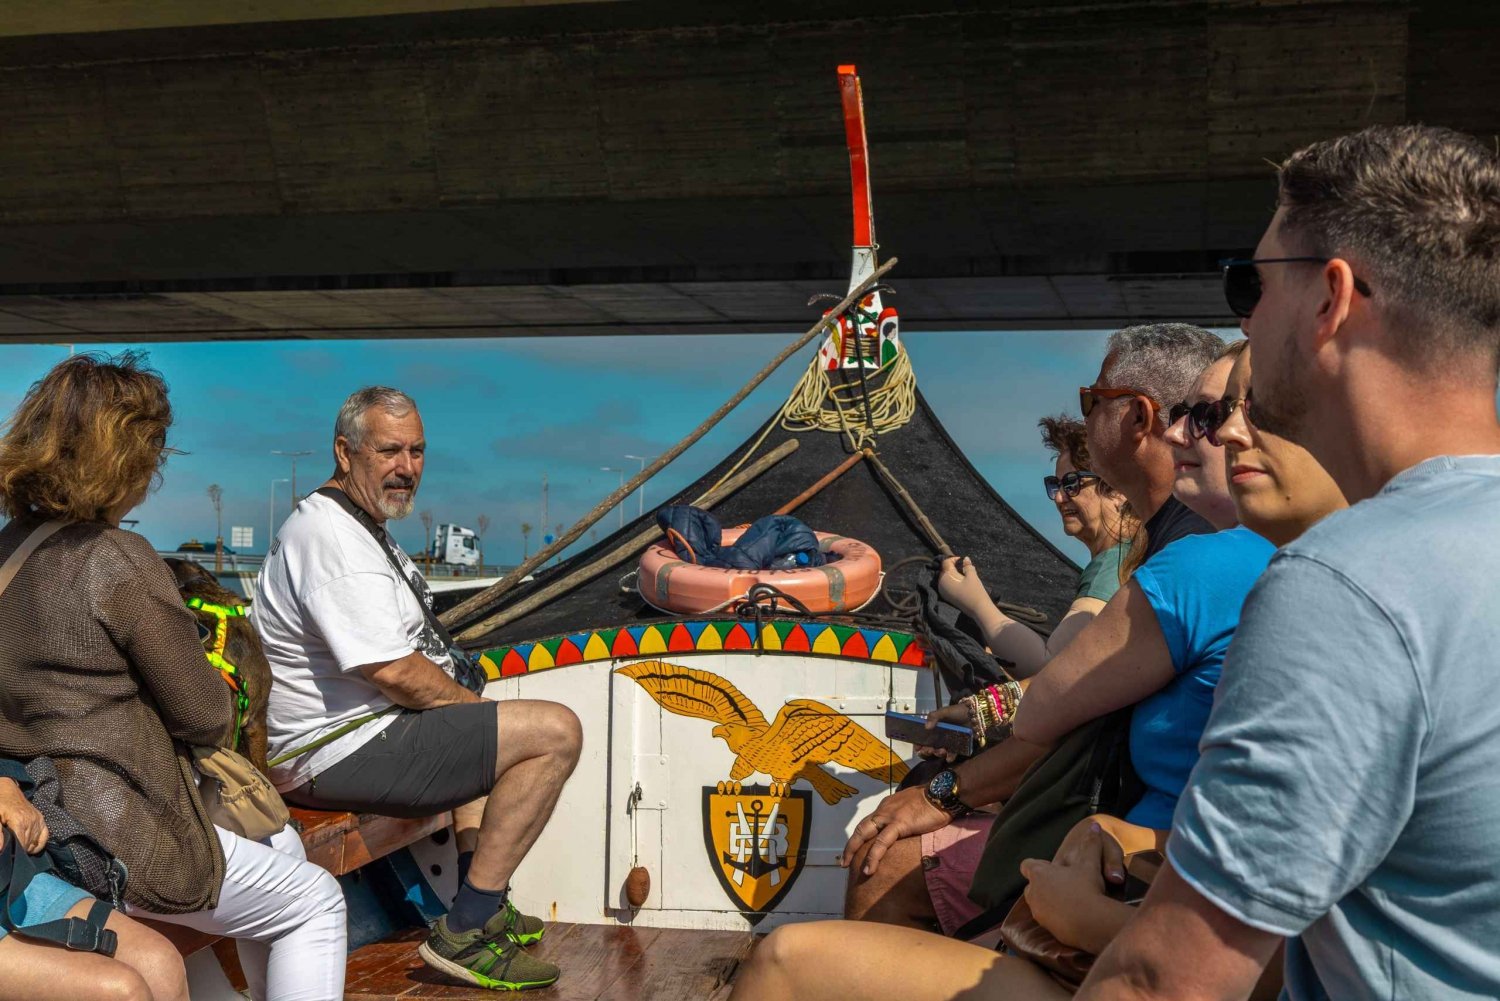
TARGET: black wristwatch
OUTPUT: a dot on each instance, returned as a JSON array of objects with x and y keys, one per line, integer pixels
[{"x": 942, "y": 792}]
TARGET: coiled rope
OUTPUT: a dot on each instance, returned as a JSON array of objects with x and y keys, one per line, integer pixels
[{"x": 858, "y": 412}]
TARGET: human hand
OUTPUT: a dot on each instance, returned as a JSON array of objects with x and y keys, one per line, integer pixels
[
  {"x": 957, "y": 714},
  {"x": 1059, "y": 892},
  {"x": 19, "y": 816},
  {"x": 959, "y": 584},
  {"x": 903, "y": 814},
  {"x": 1089, "y": 840}
]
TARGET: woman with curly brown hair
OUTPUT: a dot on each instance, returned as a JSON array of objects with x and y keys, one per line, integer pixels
[
  {"x": 101, "y": 671},
  {"x": 1093, "y": 513}
]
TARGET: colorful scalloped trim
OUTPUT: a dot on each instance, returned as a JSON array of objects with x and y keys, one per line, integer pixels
[{"x": 816, "y": 639}]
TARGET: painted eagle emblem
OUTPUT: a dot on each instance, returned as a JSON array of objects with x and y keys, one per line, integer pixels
[{"x": 804, "y": 735}]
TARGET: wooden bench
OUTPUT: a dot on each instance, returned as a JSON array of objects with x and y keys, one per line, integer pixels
[{"x": 340, "y": 843}]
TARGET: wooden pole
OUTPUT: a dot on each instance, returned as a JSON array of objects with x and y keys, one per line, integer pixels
[
  {"x": 817, "y": 487},
  {"x": 490, "y": 596},
  {"x": 934, "y": 537},
  {"x": 625, "y": 549}
]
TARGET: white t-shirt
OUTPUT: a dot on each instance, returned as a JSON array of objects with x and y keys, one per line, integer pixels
[{"x": 327, "y": 603}]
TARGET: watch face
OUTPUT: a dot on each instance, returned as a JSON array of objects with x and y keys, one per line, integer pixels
[{"x": 942, "y": 784}]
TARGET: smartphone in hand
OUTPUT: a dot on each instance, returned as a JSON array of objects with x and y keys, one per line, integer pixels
[{"x": 913, "y": 730}]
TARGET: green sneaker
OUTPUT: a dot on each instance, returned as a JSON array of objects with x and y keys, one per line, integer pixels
[
  {"x": 488, "y": 957},
  {"x": 522, "y": 928}
]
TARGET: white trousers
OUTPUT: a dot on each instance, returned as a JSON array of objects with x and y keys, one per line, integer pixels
[{"x": 287, "y": 916}]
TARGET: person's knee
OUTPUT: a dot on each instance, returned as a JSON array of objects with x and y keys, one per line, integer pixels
[
  {"x": 895, "y": 892},
  {"x": 328, "y": 896},
  {"x": 782, "y": 949},
  {"x": 562, "y": 730},
  {"x": 321, "y": 899},
  {"x": 121, "y": 984},
  {"x": 161, "y": 967}
]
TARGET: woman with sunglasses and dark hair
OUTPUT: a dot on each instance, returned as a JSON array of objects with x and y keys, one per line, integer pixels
[{"x": 1094, "y": 514}]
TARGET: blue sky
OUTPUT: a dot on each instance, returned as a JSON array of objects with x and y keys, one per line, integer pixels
[{"x": 500, "y": 413}]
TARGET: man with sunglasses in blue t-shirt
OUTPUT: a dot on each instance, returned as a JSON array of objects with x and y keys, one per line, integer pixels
[{"x": 1346, "y": 796}]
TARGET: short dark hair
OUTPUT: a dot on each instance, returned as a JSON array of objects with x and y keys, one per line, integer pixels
[
  {"x": 1068, "y": 436},
  {"x": 1417, "y": 209}
]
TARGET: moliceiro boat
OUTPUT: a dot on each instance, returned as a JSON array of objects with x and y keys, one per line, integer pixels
[
  {"x": 727, "y": 754},
  {"x": 727, "y": 751}
]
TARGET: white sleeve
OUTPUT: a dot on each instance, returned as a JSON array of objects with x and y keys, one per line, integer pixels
[{"x": 359, "y": 617}]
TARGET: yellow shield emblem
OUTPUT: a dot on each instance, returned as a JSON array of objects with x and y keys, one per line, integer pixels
[{"x": 757, "y": 843}]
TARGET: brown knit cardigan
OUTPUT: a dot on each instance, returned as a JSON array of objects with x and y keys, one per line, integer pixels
[{"x": 101, "y": 670}]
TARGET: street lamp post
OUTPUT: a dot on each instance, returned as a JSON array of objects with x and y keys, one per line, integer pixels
[
  {"x": 640, "y": 494},
  {"x": 619, "y": 507},
  {"x": 271, "y": 515},
  {"x": 293, "y": 456}
]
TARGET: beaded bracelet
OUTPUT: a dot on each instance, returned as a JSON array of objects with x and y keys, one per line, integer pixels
[{"x": 975, "y": 724}]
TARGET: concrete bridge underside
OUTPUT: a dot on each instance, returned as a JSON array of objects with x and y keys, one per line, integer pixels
[{"x": 520, "y": 169}]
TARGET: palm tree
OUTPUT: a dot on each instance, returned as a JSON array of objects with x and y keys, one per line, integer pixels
[
  {"x": 426, "y": 517},
  {"x": 525, "y": 539},
  {"x": 216, "y": 495}
]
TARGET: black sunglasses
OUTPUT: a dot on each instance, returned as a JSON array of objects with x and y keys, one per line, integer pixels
[
  {"x": 1242, "y": 286},
  {"x": 1068, "y": 483},
  {"x": 1196, "y": 414},
  {"x": 1219, "y": 412}
]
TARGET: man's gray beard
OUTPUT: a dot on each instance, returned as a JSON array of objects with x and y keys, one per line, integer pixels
[{"x": 395, "y": 512}]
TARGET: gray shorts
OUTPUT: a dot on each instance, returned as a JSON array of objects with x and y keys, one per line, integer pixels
[{"x": 424, "y": 762}]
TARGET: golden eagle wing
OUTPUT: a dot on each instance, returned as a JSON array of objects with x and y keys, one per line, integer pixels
[
  {"x": 809, "y": 732},
  {"x": 700, "y": 694}
]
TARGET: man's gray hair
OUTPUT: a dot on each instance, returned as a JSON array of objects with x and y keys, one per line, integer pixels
[
  {"x": 350, "y": 423},
  {"x": 1162, "y": 360}
]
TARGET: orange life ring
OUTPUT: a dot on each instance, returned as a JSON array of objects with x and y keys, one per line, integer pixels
[{"x": 843, "y": 585}]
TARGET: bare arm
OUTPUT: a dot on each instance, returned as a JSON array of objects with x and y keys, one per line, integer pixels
[
  {"x": 1180, "y": 946},
  {"x": 1079, "y": 614},
  {"x": 992, "y": 775},
  {"x": 1011, "y": 641},
  {"x": 415, "y": 682},
  {"x": 1117, "y": 660}
]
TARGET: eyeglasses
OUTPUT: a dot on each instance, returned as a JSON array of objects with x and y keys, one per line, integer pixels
[
  {"x": 1196, "y": 414},
  {"x": 1090, "y": 395},
  {"x": 1218, "y": 414},
  {"x": 1242, "y": 286},
  {"x": 1068, "y": 483}
]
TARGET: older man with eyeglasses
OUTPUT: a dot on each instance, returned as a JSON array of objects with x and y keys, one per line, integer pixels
[{"x": 1143, "y": 366}]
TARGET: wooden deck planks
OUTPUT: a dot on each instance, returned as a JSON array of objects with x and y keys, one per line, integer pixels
[{"x": 600, "y": 963}]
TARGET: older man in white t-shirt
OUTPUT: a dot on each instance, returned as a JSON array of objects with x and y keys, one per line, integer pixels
[{"x": 366, "y": 714}]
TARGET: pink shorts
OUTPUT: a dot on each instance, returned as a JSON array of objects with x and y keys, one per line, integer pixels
[{"x": 949, "y": 858}]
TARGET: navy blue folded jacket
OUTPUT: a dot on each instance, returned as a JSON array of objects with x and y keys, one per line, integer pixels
[{"x": 775, "y": 542}]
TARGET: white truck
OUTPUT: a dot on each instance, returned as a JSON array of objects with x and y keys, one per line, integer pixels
[{"x": 456, "y": 545}]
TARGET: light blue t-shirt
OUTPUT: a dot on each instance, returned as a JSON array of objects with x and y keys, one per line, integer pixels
[
  {"x": 1196, "y": 587},
  {"x": 1349, "y": 786}
]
